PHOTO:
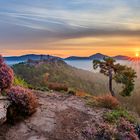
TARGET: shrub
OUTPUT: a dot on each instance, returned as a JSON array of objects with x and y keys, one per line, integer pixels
[
  {"x": 102, "y": 131},
  {"x": 105, "y": 132},
  {"x": 108, "y": 101},
  {"x": 71, "y": 91},
  {"x": 23, "y": 100},
  {"x": 127, "y": 130},
  {"x": 116, "y": 115},
  {"x": 6, "y": 76},
  {"x": 123, "y": 130},
  {"x": 18, "y": 81},
  {"x": 41, "y": 88},
  {"x": 46, "y": 77},
  {"x": 92, "y": 102},
  {"x": 81, "y": 94},
  {"x": 57, "y": 87}
]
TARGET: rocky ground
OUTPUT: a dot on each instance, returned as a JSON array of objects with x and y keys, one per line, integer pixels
[{"x": 58, "y": 117}]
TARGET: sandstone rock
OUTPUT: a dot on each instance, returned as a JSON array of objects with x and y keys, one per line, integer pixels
[{"x": 4, "y": 103}]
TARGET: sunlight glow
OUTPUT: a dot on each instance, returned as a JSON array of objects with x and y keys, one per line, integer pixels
[
  {"x": 137, "y": 54},
  {"x": 135, "y": 60}
]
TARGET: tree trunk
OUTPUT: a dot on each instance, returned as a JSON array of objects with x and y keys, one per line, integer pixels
[{"x": 110, "y": 82}]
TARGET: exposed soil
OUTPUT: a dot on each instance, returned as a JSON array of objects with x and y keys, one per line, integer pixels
[{"x": 58, "y": 117}]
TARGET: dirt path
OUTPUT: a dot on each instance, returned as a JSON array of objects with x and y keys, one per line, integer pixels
[{"x": 59, "y": 117}]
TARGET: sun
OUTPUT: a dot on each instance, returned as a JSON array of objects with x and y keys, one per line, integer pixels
[
  {"x": 137, "y": 54},
  {"x": 136, "y": 58}
]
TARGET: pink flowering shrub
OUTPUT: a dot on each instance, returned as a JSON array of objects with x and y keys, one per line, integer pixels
[
  {"x": 127, "y": 130},
  {"x": 23, "y": 100},
  {"x": 123, "y": 130},
  {"x": 6, "y": 75},
  {"x": 102, "y": 131}
]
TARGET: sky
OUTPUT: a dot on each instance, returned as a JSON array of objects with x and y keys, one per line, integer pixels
[{"x": 69, "y": 27}]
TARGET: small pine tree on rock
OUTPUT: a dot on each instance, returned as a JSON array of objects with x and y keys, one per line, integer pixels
[{"x": 121, "y": 74}]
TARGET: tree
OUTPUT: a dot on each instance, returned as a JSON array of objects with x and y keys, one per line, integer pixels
[
  {"x": 126, "y": 76},
  {"x": 121, "y": 74}
]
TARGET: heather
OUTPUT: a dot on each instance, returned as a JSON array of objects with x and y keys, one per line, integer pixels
[
  {"x": 52, "y": 97},
  {"x": 22, "y": 101},
  {"x": 38, "y": 76},
  {"x": 6, "y": 76}
]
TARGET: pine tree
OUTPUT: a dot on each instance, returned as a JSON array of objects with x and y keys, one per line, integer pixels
[{"x": 121, "y": 74}]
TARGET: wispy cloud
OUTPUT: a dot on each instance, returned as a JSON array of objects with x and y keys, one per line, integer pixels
[{"x": 50, "y": 21}]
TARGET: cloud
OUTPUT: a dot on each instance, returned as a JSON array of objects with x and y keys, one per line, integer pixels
[{"x": 47, "y": 22}]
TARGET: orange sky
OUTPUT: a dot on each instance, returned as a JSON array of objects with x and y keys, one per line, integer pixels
[
  {"x": 79, "y": 47},
  {"x": 70, "y": 27},
  {"x": 65, "y": 53}
]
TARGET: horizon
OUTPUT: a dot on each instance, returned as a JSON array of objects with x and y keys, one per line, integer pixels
[
  {"x": 67, "y": 56},
  {"x": 64, "y": 28}
]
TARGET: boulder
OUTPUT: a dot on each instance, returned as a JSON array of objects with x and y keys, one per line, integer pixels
[{"x": 4, "y": 103}]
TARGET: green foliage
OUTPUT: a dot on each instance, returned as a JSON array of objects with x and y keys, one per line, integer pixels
[
  {"x": 42, "y": 88},
  {"x": 20, "y": 82},
  {"x": 71, "y": 91},
  {"x": 125, "y": 75},
  {"x": 121, "y": 74},
  {"x": 61, "y": 73},
  {"x": 117, "y": 114},
  {"x": 104, "y": 65},
  {"x": 92, "y": 102},
  {"x": 33, "y": 76}
]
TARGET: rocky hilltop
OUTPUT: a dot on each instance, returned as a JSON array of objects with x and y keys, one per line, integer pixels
[{"x": 65, "y": 117}]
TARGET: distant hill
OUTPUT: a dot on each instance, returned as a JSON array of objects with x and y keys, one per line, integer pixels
[
  {"x": 121, "y": 57},
  {"x": 94, "y": 56},
  {"x": 76, "y": 58},
  {"x": 39, "y": 57},
  {"x": 97, "y": 56},
  {"x": 29, "y": 56}
]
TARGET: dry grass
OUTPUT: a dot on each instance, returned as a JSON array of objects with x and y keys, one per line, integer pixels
[
  {"x": 105, "y": 101},
  {"x": 81, "y": 94},
  {"x": 132, "y": 102},
  {"x": 57, "y": 86},
  {"x": 93, "y": 83},
  {"x": 108, "y": 101}
]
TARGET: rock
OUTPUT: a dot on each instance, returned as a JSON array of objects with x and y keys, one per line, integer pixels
[
  {"x": 4, "y": 103},
  {"x": 58, "y": 117}
]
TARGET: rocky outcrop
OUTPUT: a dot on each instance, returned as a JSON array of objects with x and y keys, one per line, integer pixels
[
  {"x": 62, "y": 117},
  {"x": 59, "y": 117},
  {"x": 4, "y": 103}
]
